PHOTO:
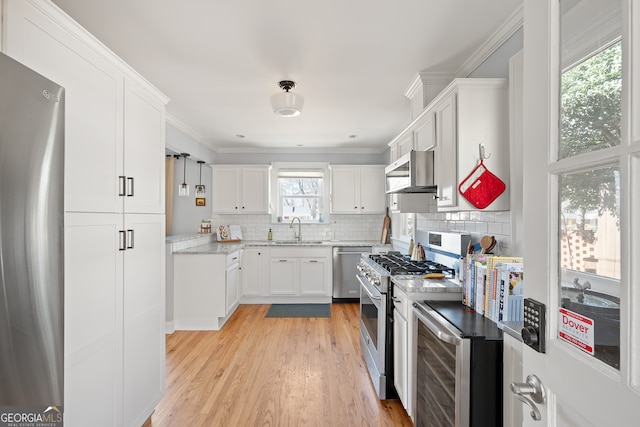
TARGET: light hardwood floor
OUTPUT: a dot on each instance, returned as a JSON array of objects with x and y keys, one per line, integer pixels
[{"x": 273, "y": 372}]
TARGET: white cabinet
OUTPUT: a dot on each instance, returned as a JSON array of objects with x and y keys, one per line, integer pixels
[
  {"x": 300, "y": 272},
  {"x": 313, "y": 276},
  {"x": 143, "y": 314},
  {"x": 400, "y": 350},
  {"x": 357, "y": 189},
  {"x": 144, "y": 128},
  {"x": 240, "y": 189},
  {"x": 232, "y": 284},
  {"x": 93, "y": 318},
  {"x": 424, "y": 132},
  {"x": 114, "y": 217},
  {"x": 205, "y": 289},
  {"x": 412, "y": 202},
  {"x": 255, "y": 272},
  {"x": 284, "y": 274},
  {"x": 470, "y": 112},
  {"x": 405, "y": 143}
]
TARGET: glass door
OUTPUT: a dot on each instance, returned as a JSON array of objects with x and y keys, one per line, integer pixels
[{"x": 581, "y": 158}]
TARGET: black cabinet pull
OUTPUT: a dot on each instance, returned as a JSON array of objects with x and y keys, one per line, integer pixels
[
  {"x": 123, "y": 240},
  {"x": 121, "y": 185},
  {"x": 130, "y": 186}
]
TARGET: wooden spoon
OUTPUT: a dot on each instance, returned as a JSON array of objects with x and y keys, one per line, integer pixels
[{"x": 485, "y": 243}]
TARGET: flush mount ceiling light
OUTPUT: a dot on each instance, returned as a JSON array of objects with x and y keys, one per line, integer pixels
[{"x": 287, "y": 104}]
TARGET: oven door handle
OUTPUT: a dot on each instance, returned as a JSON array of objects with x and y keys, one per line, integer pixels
[
  {"x": 438, "y": 329},
  {"x": 373, "y": 297}
]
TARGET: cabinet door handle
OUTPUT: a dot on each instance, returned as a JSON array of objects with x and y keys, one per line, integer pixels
[
  {"x": 130, "y": 235},
  {"x": 121, "y": 185},
  {"x": 313, "y": 260},
  {"x": 130, "y": 186},
  {"x": 283, "y": 260},
  {"x": 123, "y": 240}
]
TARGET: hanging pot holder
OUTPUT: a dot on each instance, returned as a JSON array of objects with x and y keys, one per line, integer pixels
[{"x": 481, "y": 187}]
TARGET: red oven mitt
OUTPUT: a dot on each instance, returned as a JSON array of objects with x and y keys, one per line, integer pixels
[{"x": 481, "y": 187}]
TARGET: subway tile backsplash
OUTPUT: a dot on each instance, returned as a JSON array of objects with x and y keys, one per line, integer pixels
[
  {"x": 476, "y": 223},
  {"x": 369, "y": 227},
  {"x": 338, "y": 227}
]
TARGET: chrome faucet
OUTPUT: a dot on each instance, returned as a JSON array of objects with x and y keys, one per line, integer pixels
[{"x": 297, "y": 235}]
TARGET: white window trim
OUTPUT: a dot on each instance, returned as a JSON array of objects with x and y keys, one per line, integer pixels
[{"x": 275, "y": 193}]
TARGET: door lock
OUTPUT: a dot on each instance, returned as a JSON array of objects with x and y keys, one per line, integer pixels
[{"x": 530, "y": 393}]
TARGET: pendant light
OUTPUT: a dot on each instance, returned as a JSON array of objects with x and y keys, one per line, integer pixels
[
  {"x": 183, "y": 189},
  {"x": 200, "y": 190}
]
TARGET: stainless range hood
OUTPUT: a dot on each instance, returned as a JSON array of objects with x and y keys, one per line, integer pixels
[{"x": 411, "y": 173}]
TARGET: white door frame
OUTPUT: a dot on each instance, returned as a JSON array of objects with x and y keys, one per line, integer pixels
[{"x": 581, "y": 390}]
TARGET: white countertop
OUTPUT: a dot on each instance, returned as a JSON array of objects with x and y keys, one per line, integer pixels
[
  {"x": 211, "y": 248},
  {"x": 223, "y": 248}
]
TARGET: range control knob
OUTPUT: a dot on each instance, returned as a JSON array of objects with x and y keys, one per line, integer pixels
[{"x": 529, "y": 335}]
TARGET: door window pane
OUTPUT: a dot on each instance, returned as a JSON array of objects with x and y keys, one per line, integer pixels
[
  {"x": 591, "y": 81},
  {"x": 590, "y": 256}
]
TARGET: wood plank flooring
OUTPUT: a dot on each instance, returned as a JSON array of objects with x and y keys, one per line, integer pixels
[{"x": 273, "y": 372}]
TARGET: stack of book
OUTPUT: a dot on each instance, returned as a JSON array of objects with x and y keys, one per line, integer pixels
[{"x": 493, "y": 286}]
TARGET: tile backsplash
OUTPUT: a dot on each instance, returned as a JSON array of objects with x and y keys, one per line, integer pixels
[
  {"x": 338, "y": 227},
  {"x": 476, "y": 223}
]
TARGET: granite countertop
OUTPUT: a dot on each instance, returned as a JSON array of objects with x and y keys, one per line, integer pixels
[
  {"x": 223, "y": 248},
  {"x": 312, "y": 243},
  {"x": 211, "y": 248},
  {"x": 416, "y": 284},
  {"x": 185, "y": 237}
]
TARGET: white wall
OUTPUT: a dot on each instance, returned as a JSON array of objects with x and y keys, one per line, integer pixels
[{"x": 186, "y": 215}]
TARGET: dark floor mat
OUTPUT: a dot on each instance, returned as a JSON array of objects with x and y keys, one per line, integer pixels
[{"x": 299, "y": 310}]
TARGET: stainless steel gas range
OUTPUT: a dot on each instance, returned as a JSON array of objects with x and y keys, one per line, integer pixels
[{"x": 376, "y": 308}]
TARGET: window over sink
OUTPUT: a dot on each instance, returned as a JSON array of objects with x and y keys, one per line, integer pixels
[{"x": 300, "y": 191}]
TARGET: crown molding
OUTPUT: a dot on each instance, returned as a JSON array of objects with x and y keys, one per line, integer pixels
[{"x": 497, "y": 39}]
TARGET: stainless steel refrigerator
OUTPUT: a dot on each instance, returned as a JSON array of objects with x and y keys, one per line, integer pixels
[{"x": 31, "y": 238}]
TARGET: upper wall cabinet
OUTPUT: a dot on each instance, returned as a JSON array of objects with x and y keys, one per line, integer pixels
[
  {"x": 144, "y": 152},
  {"x": 109, "y": 125},
  {"x": 466, "y": 114},
  {"x": 240, "y": 189},
  {"x": 357, "y": 189},
  {"x": 470, "y": 113},
  {"x": 419, "y": 136}
]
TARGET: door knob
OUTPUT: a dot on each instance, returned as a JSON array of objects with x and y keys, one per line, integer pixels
[{"x": 530, "y": 393}]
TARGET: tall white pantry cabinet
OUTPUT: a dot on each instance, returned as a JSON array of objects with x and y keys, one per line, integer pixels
[{"x": 114, "y": 217}]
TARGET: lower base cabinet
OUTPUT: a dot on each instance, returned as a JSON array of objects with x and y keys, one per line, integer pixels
[
  {"x": 400, "y": 346},
  {"x": 292, "y": 274},
  {"x": 206, "y": 289},
  {"x": 114, "y": 319},
  {"x": 300, "y": 271}
]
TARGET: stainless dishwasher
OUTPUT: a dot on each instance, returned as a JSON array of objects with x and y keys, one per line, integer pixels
[{"x": 345, "y": 284}]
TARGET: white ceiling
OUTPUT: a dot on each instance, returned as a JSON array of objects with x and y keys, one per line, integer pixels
[{"x": 220, "y": 61}]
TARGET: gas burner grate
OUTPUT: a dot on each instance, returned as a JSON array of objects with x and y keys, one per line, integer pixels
[{"x": 402, "y": 264}]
